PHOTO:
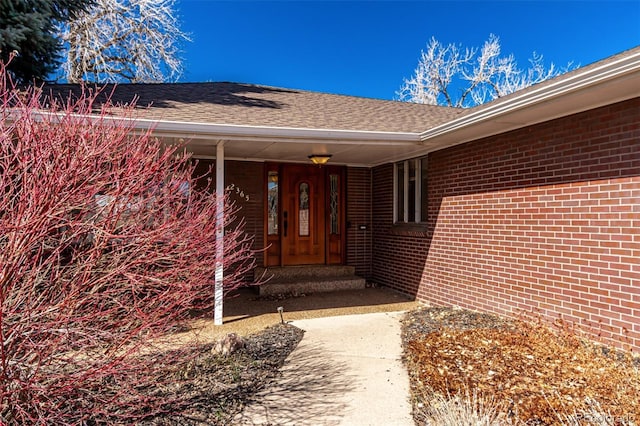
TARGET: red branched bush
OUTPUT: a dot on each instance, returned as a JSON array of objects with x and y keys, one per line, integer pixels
[{"x": 106, "y": 243}]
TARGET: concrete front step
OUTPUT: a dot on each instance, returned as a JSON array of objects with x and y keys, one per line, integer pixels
[
  {"x": 303, "y": 272},
  {"x": 317, "y": 286},
  {"x": 307, "y": 279}
]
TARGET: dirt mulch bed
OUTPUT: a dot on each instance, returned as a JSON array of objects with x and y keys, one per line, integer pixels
[
  {"x": 535, "y": 374},
  {"x": 216, "y": 388}
]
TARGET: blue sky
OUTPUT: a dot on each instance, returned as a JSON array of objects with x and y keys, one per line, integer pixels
[{"x": 366, "y": 48}]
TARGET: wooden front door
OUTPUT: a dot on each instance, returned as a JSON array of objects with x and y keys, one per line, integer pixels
[{"x": 303, "y": 215}]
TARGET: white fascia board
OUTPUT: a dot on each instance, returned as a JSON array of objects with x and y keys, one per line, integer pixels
[
  {"x": 232, "y": 132},
  {"x": 566, "y": 86}
]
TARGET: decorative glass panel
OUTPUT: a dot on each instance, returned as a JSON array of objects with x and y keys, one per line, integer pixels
[
  {"x": 334, "y": 195},
  {"x": 272, "y": 203},
  {"x": 303, "y": 210}
]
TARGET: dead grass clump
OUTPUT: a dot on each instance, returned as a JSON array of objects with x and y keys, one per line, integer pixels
[
  {"x": 463, "y": 410},
  {"x": 540, "y": 375}
]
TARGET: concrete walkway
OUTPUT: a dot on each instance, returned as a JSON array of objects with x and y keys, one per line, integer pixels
[{"x": 347, "y": 370}]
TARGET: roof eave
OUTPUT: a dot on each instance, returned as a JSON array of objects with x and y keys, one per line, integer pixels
[
  {"x": 230, "y": 132},
  {"x": 594, "y": 87}
]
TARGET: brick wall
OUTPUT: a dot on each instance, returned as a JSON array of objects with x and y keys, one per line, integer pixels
[
  {"x": 359, "y": 213},
  {"x": 399, "y": 254},
  {"x": 544, "y": 220},
  {"x": 248, "y": 177}
]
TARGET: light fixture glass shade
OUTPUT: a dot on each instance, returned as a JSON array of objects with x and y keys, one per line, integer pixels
[{"x": 319, "y": 158}]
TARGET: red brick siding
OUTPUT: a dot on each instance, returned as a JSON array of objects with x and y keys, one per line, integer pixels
[
  {"x": 398, "y": 257},
  {"x": 545, "y": 220},
  {"x": 359, "y": 213},
  {"x": 248, "y": 177}
]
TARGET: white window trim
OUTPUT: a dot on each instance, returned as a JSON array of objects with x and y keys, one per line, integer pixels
[
  {"x": 417, "y": 191},
  {"x": 405, "y": 187},
  {"x": 395, "y": 193}
]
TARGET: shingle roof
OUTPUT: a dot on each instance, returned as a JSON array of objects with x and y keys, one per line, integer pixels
[{"x": 254, "y": 105}]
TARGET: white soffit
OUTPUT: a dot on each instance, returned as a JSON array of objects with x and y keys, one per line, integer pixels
[{"x": 353, "y": 154}]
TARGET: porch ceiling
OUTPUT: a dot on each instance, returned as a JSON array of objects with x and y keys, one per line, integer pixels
[
  {"x": 259, "y": 143},
  {"x": 352, "y": 153}
]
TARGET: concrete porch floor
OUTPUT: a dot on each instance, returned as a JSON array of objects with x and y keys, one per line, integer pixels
[{"x": 245, "y": 312}]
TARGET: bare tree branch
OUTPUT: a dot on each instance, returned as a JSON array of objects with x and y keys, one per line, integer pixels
[
  {"x": 446, "y": 75},
  {"x": 124, "y": 40}
]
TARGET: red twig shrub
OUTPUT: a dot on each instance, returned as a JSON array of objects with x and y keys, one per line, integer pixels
[{"x": 105, "y": 244}]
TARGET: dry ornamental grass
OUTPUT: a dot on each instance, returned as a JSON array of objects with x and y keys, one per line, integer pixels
[{"x": 530, "y": 372}]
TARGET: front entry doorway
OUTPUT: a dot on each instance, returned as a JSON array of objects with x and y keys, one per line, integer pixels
[{"x": 304, "y": 215}]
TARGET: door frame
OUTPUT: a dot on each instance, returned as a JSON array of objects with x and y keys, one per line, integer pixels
[{"x": 273, "y": 251}]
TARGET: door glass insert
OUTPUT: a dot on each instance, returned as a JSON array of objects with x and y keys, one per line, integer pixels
[
  {"x": 333, "y": 204},
  {"x": 272, "y": 203},
  {"x": 303, "y": 210}
]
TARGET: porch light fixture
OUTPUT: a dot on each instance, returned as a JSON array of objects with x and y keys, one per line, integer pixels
[{"x": 319, "y": 159}]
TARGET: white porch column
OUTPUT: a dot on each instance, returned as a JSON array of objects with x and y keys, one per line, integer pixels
[{"x": 219, "y": 272}]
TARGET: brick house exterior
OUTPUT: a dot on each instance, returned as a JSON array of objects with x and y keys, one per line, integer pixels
[
  {"x": 527, "y": 205},
  {"x": 544, "y": 219}
]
